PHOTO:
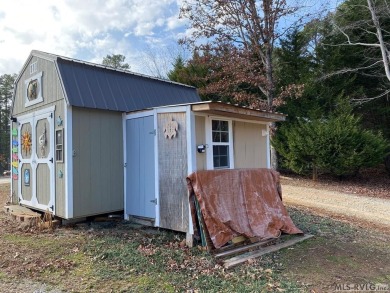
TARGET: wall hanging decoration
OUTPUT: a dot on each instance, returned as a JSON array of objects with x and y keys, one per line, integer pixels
[
  {"x": 15, "y": 171},
  {"x": 42, "y": 141},
  {"x": 26, "y": 177},
  {"x": 26, "y": 142},
  {"x": 32, "y": 89},
  {"x": 59, "y": 121},
  {"x": 15, "y": 150},
  {"x": 170, "y": 129}
]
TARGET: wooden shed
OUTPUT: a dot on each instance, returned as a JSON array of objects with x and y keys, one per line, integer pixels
[
  {"x": 163, "y": 145},
  {"x": 67, "y": 132}
]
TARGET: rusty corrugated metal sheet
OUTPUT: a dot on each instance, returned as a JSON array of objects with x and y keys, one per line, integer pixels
[{"x": 244, "y": 202}]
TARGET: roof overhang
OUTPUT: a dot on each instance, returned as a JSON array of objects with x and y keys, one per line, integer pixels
[{"x": 222, "y": 109}]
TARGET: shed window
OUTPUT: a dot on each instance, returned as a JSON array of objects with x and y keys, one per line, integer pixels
[
  {"x": 221, "y": 143},
  {"x": 33, "y": 67},
  {"x": 59, "y": 145}
]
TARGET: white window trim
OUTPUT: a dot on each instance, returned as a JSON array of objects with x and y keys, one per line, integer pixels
[
  {"x": 39, "y": 98},
  {"x": 209, "y": 142}
]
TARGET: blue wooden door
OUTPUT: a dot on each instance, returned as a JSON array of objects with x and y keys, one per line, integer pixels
[{"x": 140, "y": 177}]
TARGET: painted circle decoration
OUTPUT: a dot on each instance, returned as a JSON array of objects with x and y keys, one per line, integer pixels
[
  {"x": 26, "y": 142},
  {"x": 32, "y": 89}
]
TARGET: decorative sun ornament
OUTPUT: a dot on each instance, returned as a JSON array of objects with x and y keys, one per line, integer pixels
[{"x": 26, "y": 142}]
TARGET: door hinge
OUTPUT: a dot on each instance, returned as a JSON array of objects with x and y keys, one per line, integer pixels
[
  {"x": 52, "y": 207},
  {"x": 125, "y": 165},
  {"x": 51, "y": 160},
  {"x": 51, "y": 115},
  {"x": 153, "y": 132},
  {"x": 154, "y": 201}
]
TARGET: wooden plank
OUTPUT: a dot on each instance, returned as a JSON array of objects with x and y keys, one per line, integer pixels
[
  {"x": 244, "y": 257},
  {"x": 173, "y": 170},
  {"x": 244, "y": 248},
  {"x": 239, "y": 112},
  {"x": 200, "y": 222}
]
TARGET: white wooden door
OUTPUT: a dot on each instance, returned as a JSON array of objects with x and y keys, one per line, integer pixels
[{"x": 36, "y": 160}]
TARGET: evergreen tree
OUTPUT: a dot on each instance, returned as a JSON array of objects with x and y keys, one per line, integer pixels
[
  {"x": 6, "y": 90},
  {"x": 336, "y": 144}
]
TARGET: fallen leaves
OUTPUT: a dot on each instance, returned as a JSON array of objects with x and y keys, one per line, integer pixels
[{"x": 374, "y": 182}]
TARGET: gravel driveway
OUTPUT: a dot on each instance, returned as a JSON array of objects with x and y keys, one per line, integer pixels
[{"x": 364, "y": 209}]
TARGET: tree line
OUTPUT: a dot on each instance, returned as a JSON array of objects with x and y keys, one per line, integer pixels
[{"x": 329, "y": 75}]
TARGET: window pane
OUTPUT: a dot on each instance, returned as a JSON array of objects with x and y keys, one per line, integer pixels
[
  {"x": 224, "y": 136},
  {"x": 215, "y": 125},
  {"x": 59, "y": 137},
  {"x": 224, "y": 125},
  {"x": 216, "y": 136},
  {"x": 216, "y": 162},
  {"x": 224, "y": 161},
  {"x": 221, "y": 156}
]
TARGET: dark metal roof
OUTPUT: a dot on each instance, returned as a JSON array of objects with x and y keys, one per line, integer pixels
[{"x": 91, "y": 85}]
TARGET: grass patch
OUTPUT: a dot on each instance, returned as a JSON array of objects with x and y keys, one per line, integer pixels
[
  {"x": 160, "y": 265},
  {"x": 120, "y": 258},
  {"x": 2, "y": 275}
]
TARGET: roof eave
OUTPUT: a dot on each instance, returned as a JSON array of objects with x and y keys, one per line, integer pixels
[{"x": 223, "y": 109}]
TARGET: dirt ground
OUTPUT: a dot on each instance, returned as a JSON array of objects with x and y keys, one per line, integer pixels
[
  {"x": 363, "y": 200},
  {"x": 356, "y": 208}
]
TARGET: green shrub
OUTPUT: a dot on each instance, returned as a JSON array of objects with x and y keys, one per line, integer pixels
[{"x": 337, "y": 145}]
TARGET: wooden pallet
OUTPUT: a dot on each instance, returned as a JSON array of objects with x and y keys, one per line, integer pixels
[
  {"x": 259, "y": 251},
  {"x": 241, "y": 248}
]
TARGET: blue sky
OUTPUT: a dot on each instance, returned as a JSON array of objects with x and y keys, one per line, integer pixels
[{"x": 145, "y": 31}]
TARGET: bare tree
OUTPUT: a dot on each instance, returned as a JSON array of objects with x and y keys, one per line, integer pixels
[
  {"x": 159, "y": 61},
  {"x": 239, "y": 37},
  {"x": 243, "y": 33},
  {"x": 378, "y": 12},
  {"x": 379, "y": 34}
]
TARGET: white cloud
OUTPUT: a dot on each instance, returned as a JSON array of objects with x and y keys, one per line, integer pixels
[{"x": 82, "y": 29}]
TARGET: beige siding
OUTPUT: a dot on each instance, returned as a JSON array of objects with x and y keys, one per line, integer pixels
[
  {"x": 97, "y": 162},
  {"x": 60, "y": 203},
  {"x": 43, "y": 184},
  {"x": 249, "y": 145},
  {"x": 200, "y": 138},
  {"x": 52, "y": 96},
  {"x": 172, "y": 164},
  {"x": 51, "y": 87},
  {"x": 43, "y": 128}
]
